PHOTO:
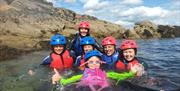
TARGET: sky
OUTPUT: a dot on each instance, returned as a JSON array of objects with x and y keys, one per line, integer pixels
[{"x": 126, "y": 12}]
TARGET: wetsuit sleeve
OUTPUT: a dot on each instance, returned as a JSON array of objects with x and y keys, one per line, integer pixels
[
  {"x": 70, "y": 80},
  {"x": 98, "y": 46},
  {"x": 144, "y": 64},
  {"x": 71, "y": 46},
  {"x": 47, "y": 60},
  {"x": 120, "y": 76},
  {"x": 78, "y": 61},
  {"x": 72, "y": 54}
]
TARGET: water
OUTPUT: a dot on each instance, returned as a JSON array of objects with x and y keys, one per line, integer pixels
[{"x": 162, "y": 56}]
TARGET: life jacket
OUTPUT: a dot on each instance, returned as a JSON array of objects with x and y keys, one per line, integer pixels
[
  {"x": 94, "y": 77},
  {"x": 75, "y": 45},
  {"x": 110, "y": 60},
  {"x": 61, "y": 62},
  {"x": 123, "y": 65},
  {"x": 80, "y": 61}
]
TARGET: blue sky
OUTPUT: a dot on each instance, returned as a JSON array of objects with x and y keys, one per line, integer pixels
[{"x": 126, "y": 12}]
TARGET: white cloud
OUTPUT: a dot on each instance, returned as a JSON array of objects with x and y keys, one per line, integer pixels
[
  {"x": 90, "y": 12},
  {"x": 70, "y": 1},
  {"x": 53, "y": 1},
  {"x": 125, "y": 23},
  {"x": 132, "y": 2},
  {"x": 145, "y": 12},
  {"x": 127, "y": 12},
  {"x": 94, "y": 4},
  {"x": 58, "y": 1}
]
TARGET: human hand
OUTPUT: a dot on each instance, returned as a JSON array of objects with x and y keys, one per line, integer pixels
[
  {"x": 56, "y": 77},
  {"x": 138, "y": 69}
]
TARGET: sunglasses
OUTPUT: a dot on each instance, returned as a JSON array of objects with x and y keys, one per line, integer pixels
[{"x": 94, "y": 62}]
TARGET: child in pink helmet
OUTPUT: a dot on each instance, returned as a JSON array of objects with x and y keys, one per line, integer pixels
[{"x": 94, "y": 77}]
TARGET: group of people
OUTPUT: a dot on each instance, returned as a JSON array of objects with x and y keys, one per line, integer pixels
[{"x": 94, "y": 62}]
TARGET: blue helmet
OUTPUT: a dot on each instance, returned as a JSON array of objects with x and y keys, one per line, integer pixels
[
  {"x": 87, "y": 41},
  {"x": 58, "y": 39},
  {"x": 92, "y": 53}
]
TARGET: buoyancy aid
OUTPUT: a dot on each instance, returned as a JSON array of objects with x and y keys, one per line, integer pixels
[
  {"x": 79, "y": 62},
  {"x": 123, "y": 65},
  {"x": 61, "y": 62},
  {"x": 75, "y": 45},
  {"x": 94, "y": 77},
  {"x": 110, "y": 60}
]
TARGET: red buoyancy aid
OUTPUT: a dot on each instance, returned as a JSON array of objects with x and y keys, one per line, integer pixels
[
  {"x": 121, "y": 66},
  {"x": 82, "y": 62},
  {"x": 61, "y": 62}
]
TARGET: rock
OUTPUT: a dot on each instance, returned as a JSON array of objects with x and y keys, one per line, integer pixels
[
  {"x": 27, "y": 24},
  {"x": 169, "y": 31},
  {"x": 146, "y": 30},
  {"x": 9, "y": 53},
  {"x": 131, "y": 34}
]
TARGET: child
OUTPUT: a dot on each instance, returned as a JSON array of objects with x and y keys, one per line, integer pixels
[
  {"x": 87, "y": 44},
  {"x": 94, "y": 76},
  {"x": 84, "y": 28},
  {"x": 60, "y": 57},
  {"x": 128, "y": 57},
  {"x": 110, "y": 53}
]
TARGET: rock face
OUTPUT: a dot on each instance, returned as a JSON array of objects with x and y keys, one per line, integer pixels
[
  {"x": 25, "y": 23},
  {"x": 28, "y": 24},
  {"x": 169, "y": 31},
  {"x": 146, "y": 30}
]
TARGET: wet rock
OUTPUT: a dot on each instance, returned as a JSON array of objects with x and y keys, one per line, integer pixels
[
  {"x": 9, "y": 53},
  {"x": 25, "y": 24},
  {"x": 131, "y": 34},
  {"x": 146, "y": 30},
  {"x": 167, "y": 31}
]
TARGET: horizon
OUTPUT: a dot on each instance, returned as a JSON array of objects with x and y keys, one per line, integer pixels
[{"x": 126, "y": 12}]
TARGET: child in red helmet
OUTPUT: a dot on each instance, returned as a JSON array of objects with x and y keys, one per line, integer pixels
[
  {"x": 83, "y": 31},
  {"x": 128, "y": 57},
  {"x": 110, "y": 53}
]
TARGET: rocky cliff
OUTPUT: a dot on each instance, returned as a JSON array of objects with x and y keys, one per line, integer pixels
[{"x": 28, "y": 24}]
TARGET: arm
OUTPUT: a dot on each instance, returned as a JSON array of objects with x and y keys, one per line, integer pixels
[
  {"x": 120, "y": 76},
  {"x": 71, "y": 45},
  {"x": 46, "y": 60},
  {"x": 78, "y": 61},
  {"x": 70, "y": 80},
  {"x": 98, "y": 46},
  {"x": 140, "y": 59}
]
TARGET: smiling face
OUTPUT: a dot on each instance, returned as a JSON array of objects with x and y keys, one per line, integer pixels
[
  {"x": 83, "y": 31},
  {"x": 87, "y": 48},
  {"x": 109, "y": 49},
  {"x": 93, "y": 62},
  {"x": 58, "y": 49},
  {"x": 129, "y": 54}
]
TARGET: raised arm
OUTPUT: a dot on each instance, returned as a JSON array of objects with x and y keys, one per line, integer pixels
[{"x": 70, "y": 80}]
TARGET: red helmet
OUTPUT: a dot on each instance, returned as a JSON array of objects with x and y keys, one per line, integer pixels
[
  {"x": 84, "y": 24},
  {"x": 109, "y": 41},
  {"x": 126, "y": 44}
]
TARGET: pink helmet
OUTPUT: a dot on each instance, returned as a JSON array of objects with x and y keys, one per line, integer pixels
[
  {"x": 109, "y": 41},
  {"x": 126, "y": 44},
  {"x": 84, "y": 24}
]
